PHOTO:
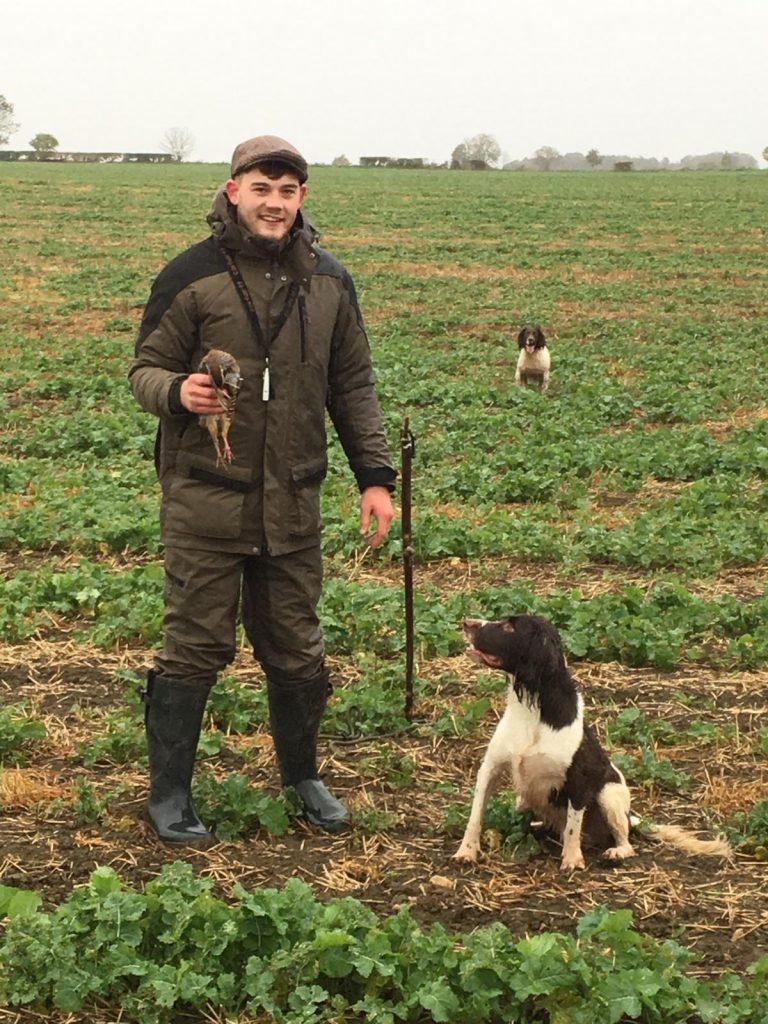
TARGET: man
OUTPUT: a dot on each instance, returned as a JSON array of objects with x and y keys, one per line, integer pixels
[{"x": 243, "y": 536}]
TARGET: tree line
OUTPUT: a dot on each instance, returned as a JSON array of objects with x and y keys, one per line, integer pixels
[
  {"x": 480, "y": 152},
  {"x": 483, "y": 152},
  {"x": 177, "y": 143}
]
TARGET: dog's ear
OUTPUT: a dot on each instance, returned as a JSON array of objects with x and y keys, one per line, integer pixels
[
  {"x": 521, "y": 338},
  {"x": 540, "y": 339},
  {"x": 541, "y": 655}
]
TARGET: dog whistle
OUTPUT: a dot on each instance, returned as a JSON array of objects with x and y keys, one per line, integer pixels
[{"x": 265, "y": 385}]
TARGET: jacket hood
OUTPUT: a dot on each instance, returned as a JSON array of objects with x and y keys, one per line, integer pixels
[{"x": 222, "y": 218}]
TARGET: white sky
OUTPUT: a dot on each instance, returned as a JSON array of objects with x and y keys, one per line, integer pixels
[{"x": 404, "y": 78}]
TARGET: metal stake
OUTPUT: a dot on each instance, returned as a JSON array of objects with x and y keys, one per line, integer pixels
[{"x": 408, "y": 452}]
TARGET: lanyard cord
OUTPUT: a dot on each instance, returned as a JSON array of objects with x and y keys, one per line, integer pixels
[{"x": 247, "y": 301}]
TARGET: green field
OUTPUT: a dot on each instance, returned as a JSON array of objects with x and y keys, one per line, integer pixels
[{"x": 628, "y": 505}]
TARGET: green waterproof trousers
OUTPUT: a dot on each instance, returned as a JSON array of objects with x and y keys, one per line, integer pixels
[{"x": 276, "y": 596}]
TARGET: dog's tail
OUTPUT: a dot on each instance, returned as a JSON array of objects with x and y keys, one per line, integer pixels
[{"x": 686, "y": 841}]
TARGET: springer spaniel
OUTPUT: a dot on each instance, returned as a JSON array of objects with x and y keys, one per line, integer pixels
[
  {"x": 533, "y": 361},
  {"x": 558, "y": 768}
]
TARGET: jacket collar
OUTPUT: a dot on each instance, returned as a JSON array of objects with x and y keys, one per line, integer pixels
[{"x": 297, "y": 253}]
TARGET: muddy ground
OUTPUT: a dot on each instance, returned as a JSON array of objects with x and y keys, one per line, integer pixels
[{"x": 719, "y": 909}]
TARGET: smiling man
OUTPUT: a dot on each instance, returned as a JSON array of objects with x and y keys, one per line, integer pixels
[
  {"x": 266, "y": 205},
  {"x": 242, "y": 538}
]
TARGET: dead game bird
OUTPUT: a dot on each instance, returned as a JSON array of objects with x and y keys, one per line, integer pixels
[{"x": 224, "y": 373}]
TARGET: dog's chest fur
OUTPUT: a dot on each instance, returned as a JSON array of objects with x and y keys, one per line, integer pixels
[
  {"x": 539, "y": 755},
  {"x": 534, "y": 363}
]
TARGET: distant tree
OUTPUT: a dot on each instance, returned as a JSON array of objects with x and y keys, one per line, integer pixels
[
  {"x": 479, "y": 152},
  {"x": 545, "y": 156},
  {"x": 483, "y": 147},
  {"x": 341, "y": 161},
  {"x": 7, "y": 125},
  {"x": 719, "y": 161},
  {"x": 459, "y": 157},
  {"x": 765, "y": 154},
  {"x": 44, "y": 143},
  {"x": 178, "y": 142},
  {"x": 593, "y": 158},
  {"x": 623, "y": 165}
]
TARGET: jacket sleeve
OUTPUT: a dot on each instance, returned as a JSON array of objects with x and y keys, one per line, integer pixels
[
  {"x": 352, "y": 402},
  {"x": 166, "y": 346}
]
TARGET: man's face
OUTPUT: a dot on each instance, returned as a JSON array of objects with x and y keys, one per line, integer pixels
[{"x": 266, "y": 206}]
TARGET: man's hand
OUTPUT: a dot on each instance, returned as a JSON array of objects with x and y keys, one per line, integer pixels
[
  {"x": 375, "y": 503},
  {"x": 198, "y": 395}
]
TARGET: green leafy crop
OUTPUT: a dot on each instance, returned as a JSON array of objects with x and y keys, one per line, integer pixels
[
  {"x": 280, "y": 952},
  {"x": 18, "y": 733},
  {"x": 748, "y": 830}
]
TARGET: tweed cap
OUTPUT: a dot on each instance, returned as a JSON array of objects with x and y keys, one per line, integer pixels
[{"x": 268, "y": 147}]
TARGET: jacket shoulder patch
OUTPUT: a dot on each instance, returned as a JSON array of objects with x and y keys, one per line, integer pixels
[
  {"x": 328, "y": 265},
  {"x": 204, "y": 259}
]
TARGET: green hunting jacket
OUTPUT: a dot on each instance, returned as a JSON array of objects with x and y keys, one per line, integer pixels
[{"x": 268, "y": 498}]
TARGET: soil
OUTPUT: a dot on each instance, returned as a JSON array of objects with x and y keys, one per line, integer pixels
[{"x": 718, "y": 908}]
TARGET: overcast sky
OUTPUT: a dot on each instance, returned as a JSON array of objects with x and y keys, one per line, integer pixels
[{"x": 401, "y": 78}]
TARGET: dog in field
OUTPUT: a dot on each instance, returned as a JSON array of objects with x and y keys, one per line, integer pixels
[
  {"x": 557, "y": 767},
  {"x": 533, "y": 361}
]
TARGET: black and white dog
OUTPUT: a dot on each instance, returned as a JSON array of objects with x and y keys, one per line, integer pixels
[
  {"x": 558, "y": 768},
  {"x": 533, "y": 361}
]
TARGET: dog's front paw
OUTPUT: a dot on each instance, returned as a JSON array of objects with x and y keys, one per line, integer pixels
[
  {"x": 573, "y": 862},
  {"x": 619, "y": 852},
  {"x": 467, "y": 853}
]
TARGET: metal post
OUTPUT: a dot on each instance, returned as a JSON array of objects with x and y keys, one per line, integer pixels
[{"x": 407, "y": 451}]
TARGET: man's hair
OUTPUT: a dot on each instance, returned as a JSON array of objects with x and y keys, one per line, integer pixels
[{"x": 272, "y": 169}]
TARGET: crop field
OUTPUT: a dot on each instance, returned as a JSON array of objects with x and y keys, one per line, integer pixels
[{"x": 628, "y": 504}]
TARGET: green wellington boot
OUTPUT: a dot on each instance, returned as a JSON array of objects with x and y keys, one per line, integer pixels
[
  {"x": 173, "y": 717},
  {"x": 295, "y": 710}
]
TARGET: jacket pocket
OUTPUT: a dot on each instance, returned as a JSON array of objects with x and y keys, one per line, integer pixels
[
  {"x": 204, "y": 499},
  {"x": 306, "y": 478}
]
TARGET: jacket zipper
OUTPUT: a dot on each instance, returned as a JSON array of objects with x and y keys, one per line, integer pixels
[{"x": 303, "y": 327}]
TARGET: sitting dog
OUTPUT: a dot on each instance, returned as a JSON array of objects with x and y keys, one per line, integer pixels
[
  {"x": 558, "y": 768},
  {"x": 533, "y": 361}
]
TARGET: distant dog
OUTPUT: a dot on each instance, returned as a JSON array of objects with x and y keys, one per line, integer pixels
[
  {"x": 533, "y": 361},
  {"x": 558, "y": 768}
]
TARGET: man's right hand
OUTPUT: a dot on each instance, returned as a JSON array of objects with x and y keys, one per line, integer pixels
[{"x": 198, "y": 395}]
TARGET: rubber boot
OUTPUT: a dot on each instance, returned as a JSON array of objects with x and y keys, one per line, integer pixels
[
  {"x": 173, "y": 717},
  {"x": 295, "y": 710}
]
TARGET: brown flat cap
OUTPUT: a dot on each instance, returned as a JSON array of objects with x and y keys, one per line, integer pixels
[{"x": 268, "y": 147}]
